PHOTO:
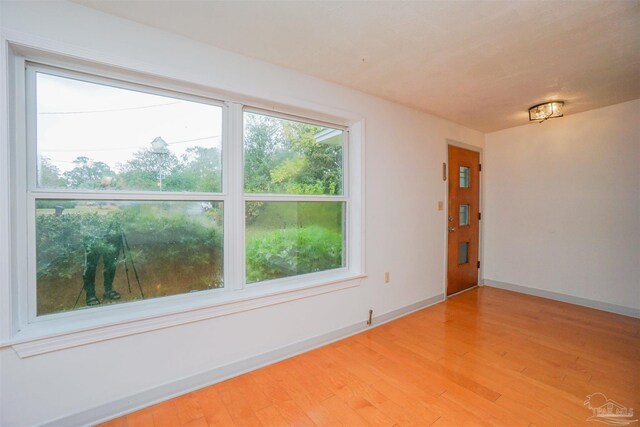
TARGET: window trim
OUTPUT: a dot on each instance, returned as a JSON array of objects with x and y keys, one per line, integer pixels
[
  {"x": 35, "y": 337},
  {"x": 34, "y": 193}
]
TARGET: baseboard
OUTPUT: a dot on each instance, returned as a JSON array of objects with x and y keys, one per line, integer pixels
[
  {"x": 110, "y": 410},
  {"x": 605, "y": 306}
]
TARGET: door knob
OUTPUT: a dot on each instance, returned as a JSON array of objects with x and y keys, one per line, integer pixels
[{"x": 451, "y": 229}]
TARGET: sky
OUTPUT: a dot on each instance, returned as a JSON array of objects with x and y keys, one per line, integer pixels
[{"x": 109, "y": 124}]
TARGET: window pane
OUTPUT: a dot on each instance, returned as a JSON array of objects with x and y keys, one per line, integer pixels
[
  {"x": 94, "y": 136},
  {"x": 463, "y": 253},
  {"x": 85, "y": 249},
  {"x": 291, "y": 238},
  {"x": 464, "y": 215},
  {"x": 464, "y": 177},
  {"x": 289, "y": 157}
]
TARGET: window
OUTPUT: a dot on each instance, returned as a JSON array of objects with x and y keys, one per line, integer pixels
[
  {"x": 464, "y": 177},
  {"x": 143, "y": 194},
  {"x": 96, "y": 136},
  {"x": 463, "y": 215},
  {"x": 103, "y": 154},
  {"x": 294, "y": 211},
  {"x": 463, "y": 253}
]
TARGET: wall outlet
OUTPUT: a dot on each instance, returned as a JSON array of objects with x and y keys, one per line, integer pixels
[{"x": 386, "y": 277}]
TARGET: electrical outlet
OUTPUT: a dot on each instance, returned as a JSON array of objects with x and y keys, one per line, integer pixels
[{"x": 386, "y": 277}]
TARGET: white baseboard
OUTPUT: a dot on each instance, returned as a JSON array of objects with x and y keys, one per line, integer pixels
[
  {"x": 605, "y": 306},
  {"x": 110, "y": 410}
]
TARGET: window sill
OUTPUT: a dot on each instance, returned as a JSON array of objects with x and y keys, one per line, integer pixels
[{"x": 66, "y": 332}]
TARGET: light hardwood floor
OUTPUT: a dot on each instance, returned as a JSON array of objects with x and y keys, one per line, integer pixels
[{"x": 484, "y": 357}]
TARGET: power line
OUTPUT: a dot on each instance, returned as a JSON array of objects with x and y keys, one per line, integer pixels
[
  {"x": 69, "y": 150},
  {"x": 109, "y": 111},
  {"x": 191, "y": 140},
  {"x": 59, "y": 161}
]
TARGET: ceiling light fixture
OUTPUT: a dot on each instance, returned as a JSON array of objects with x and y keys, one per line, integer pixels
[{"x": 548, "y": 110}]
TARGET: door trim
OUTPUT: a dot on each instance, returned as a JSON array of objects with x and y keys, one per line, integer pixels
[{"x": 479, "y": 150}]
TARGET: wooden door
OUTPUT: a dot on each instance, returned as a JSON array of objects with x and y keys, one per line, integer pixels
[{"x": 463, "y": 219}]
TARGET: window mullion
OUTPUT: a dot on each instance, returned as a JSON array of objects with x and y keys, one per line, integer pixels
[
  {"x": 234, "y": 215},
  {"x": 124, "y": 195},
  {"x": 292, "y": 198}
]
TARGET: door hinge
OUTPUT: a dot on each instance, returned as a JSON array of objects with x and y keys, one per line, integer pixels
[
  {"x": 480, "y": 167},
  {"x": 478, "y": 264},
  {"x": 479, "y": 216}
]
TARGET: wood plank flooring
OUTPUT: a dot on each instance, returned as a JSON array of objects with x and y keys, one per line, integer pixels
[{"x": 485, "y": 357}]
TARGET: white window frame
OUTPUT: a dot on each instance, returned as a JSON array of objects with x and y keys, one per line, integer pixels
[
  {"x": 33, "y": 192},
  {"x": 30, "y": 335},
  {"x": 275, "y": 197}
]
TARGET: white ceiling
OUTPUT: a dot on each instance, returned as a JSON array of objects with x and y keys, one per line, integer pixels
[{"x": 477, "y": 63}]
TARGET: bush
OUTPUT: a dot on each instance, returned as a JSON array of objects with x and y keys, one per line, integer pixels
[
  {"x": 253, "y": 211},
  {"x": 52, "y": 204},
  {"x": 59, "y": 251},
  {"x": 173, "y": 251},
  {"x": 293, "y": 251}
]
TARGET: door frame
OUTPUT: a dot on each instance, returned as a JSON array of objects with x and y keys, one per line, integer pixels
[{"x": 445, "y": 226}]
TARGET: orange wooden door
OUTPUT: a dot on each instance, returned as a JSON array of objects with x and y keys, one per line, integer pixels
[{"x": 463, "y": 219}]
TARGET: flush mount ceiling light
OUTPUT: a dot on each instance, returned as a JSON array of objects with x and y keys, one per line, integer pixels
[{"x": 548, "y": 110}]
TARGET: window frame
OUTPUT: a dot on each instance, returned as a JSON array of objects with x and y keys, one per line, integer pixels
[
  {"x": 35, "y": 193},
  {"x": 283, "y": 197},
  {"x": 30, "y": 335}
]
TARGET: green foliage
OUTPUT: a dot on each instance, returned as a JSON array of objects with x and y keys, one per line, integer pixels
[
  {"x": 324, "y": 161},
  {"x": 263, "y": 141},
  {"x": 49, "y": 174},
  {"x": 197, "y": 170},
  {"x": 89, "y": 174},
  {"x": 283, "y": 156},
  {"x": 174, "y": 250},
  {"x": 293, "y": 251},
  {"x": 252, "y": 211},
  {"x": 54, "y": 203},
  {"x": 273, "y": 215},
  {"x": 171, "y": 237},
  {"x": 59, "y": 250},
  {"x": 144, "y": 171},
  {"x": 288, "y": 169},
  {"x": 201, "y": 170}
]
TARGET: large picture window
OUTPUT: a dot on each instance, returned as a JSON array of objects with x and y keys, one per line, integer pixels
[{"x": 142, "y": 201}]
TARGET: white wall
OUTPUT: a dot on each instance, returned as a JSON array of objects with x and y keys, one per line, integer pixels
[
  {"x": 404, "y": 231},
  {"x": 563, "y": 205}
]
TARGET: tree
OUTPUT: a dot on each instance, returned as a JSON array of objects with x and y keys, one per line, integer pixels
[
  {"x": 200, "y": 170},
  {"x": 285, "y": 157},
  {"x": 263, "y": 142},
  {"x": 322, "y": 171},
  {"x": 147, "y": 168},
  {"x": 49, "y": 174},
  {"x": 89, "y": 174}
]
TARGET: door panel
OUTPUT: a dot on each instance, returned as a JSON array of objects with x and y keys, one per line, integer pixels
[{"x": 463, "y": 219}]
